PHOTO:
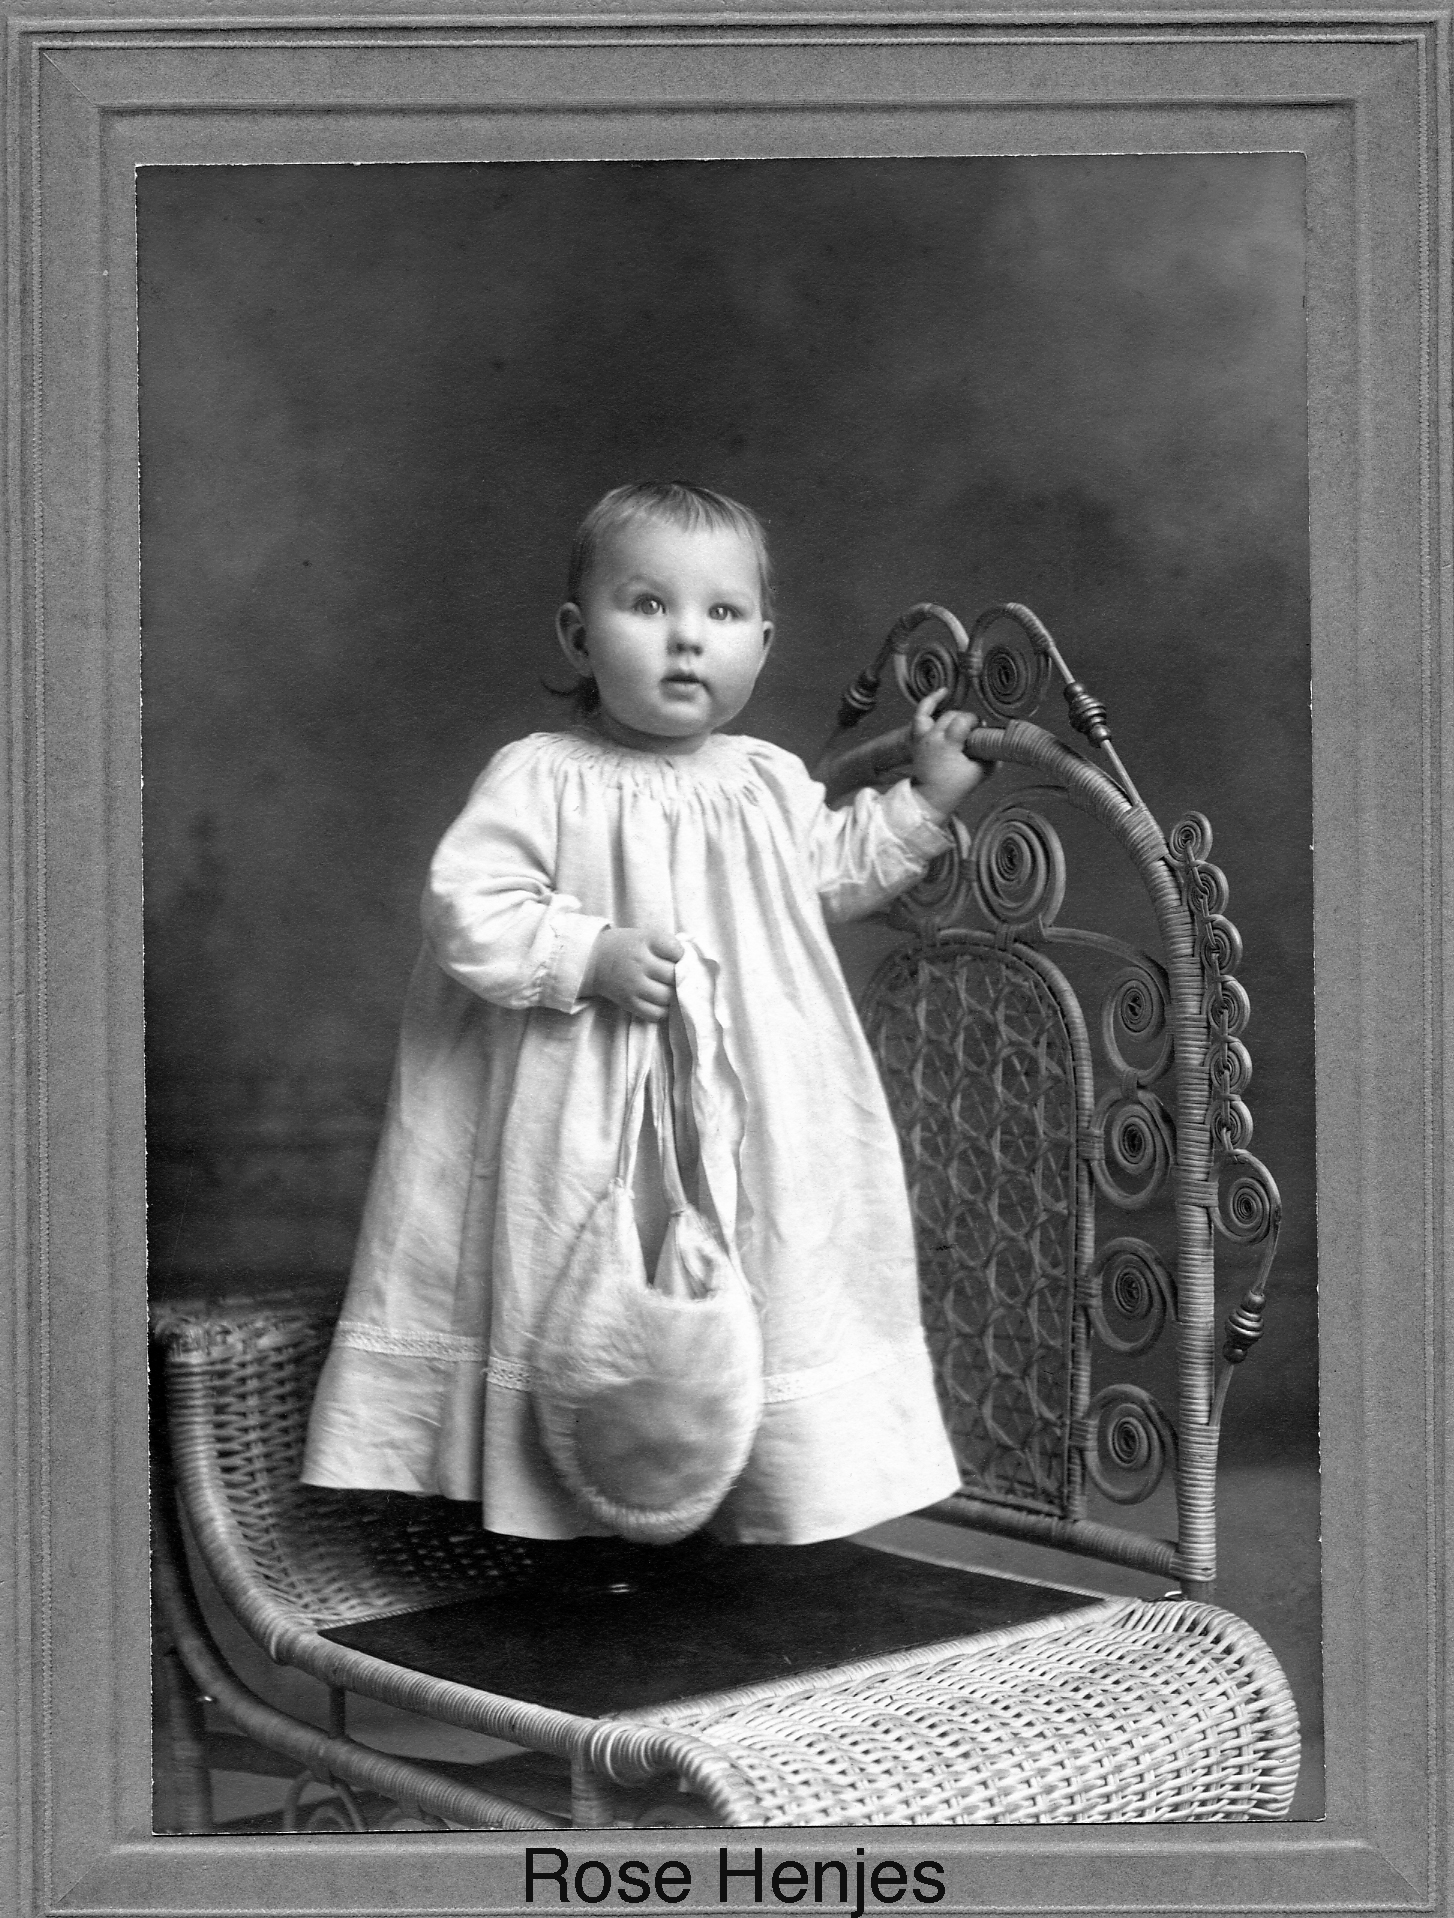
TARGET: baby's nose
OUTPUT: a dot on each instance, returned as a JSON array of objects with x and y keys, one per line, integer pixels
[{"x": 686, "y": 634}]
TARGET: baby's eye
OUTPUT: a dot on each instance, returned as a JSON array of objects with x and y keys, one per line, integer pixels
[
  {"x": 649, "y": 603},
  {"x": 723, "y": 611}
]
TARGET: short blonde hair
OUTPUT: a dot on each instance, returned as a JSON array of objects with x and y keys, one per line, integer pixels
[{"x": 678, "y": 503}]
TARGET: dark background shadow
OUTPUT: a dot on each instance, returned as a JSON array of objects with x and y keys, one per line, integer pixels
[{"x": 376, "y": 400}]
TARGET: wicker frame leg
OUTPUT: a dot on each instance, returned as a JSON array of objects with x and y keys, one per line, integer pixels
[
  {"x": 182, "y": 1781},
  {"x": 592, "y": 1800}
]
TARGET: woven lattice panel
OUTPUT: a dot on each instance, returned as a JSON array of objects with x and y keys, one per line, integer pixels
[
  {"x": 241, "y": 1391},
  {"x": 980, "y": 1075}
]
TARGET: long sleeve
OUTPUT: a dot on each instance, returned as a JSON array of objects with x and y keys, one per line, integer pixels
[
  {"x": 863, "y": 854},
  {"x": 490, "y": 910}
]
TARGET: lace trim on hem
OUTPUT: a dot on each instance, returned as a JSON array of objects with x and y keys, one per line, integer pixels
[
  {"x": 513, "y": 1374},
  {"x": 359, "y": 1336},
  {"x": 778, "y": 1388}
]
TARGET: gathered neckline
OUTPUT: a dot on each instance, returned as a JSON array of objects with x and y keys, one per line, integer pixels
[{"x": 722, "y": 761}]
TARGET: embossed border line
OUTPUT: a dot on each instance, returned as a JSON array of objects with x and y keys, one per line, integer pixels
[{"x": 75, "y": 1055}]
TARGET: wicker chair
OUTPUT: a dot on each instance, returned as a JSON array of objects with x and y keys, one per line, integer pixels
[{"x": 842, "y": 1684}]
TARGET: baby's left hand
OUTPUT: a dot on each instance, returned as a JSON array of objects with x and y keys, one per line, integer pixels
[{"x": 942, "y": 773}]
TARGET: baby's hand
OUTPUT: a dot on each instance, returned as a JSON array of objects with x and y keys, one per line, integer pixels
[
  {"x": 942, "y": 774},
  {"x": 634, "y": 970}
]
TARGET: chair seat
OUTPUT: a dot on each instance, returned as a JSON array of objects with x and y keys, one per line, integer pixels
[
  {"x": 655, "y": 1625},
  {"x": 1125, "y": 1711}
]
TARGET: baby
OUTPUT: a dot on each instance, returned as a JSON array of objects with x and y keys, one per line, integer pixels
[{"x": 551, "y": 917}]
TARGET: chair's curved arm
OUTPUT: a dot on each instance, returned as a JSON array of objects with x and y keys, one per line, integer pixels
[{"x": 323, "y": 1753}]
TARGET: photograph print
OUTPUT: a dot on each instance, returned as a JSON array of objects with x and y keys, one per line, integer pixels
[{"x": 729, "y": 997}]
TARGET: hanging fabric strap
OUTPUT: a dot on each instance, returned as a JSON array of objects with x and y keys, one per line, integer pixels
[
  {"x": 663, "y": 1117},
  {"x": 712, "y": 1085},
  {"x": 651, "y": 1080},
  {"x": 713, "y": 1094},
  {"x": 642, "y": 1042}
]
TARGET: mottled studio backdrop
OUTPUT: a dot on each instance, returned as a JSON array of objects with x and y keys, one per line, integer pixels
[{"x": 375, "y": 401}]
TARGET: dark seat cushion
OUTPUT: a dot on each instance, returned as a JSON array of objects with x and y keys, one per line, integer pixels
[{"x": 603, "y": 1627}]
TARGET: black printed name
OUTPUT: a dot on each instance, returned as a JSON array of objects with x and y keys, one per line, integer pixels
[{"x": 854, "y": 1885}]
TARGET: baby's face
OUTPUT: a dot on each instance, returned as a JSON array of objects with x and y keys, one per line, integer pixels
[{"x": 670, "y": 625}]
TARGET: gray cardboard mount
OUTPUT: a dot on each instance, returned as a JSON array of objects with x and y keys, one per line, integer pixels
[{"x": 91, "y": 94}]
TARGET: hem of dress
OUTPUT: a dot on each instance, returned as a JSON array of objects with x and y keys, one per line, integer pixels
[
  {"x": 841, "y": 1461},
  {"x": 383, "y": 1480}
]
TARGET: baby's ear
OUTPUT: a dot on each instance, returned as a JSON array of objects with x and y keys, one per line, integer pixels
[
  {"x": 767, "y": 633},
  {"x": 570, "y": 630}
]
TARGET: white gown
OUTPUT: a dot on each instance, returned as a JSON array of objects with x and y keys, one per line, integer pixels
[{"x": 503, "y": 1125}]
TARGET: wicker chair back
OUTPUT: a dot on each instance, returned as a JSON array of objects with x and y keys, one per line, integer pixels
[{"x": 1069, "y": 1177}]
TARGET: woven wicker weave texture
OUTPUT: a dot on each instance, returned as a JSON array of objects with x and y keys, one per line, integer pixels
[
  {"x": 328, "y": 1558},
  {"x": 981, "y": 1080},
  {"x": 1170, "y": 1712}
]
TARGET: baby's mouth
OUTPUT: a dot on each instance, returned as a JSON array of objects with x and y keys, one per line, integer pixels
[{"x": 684, "y": 679}]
